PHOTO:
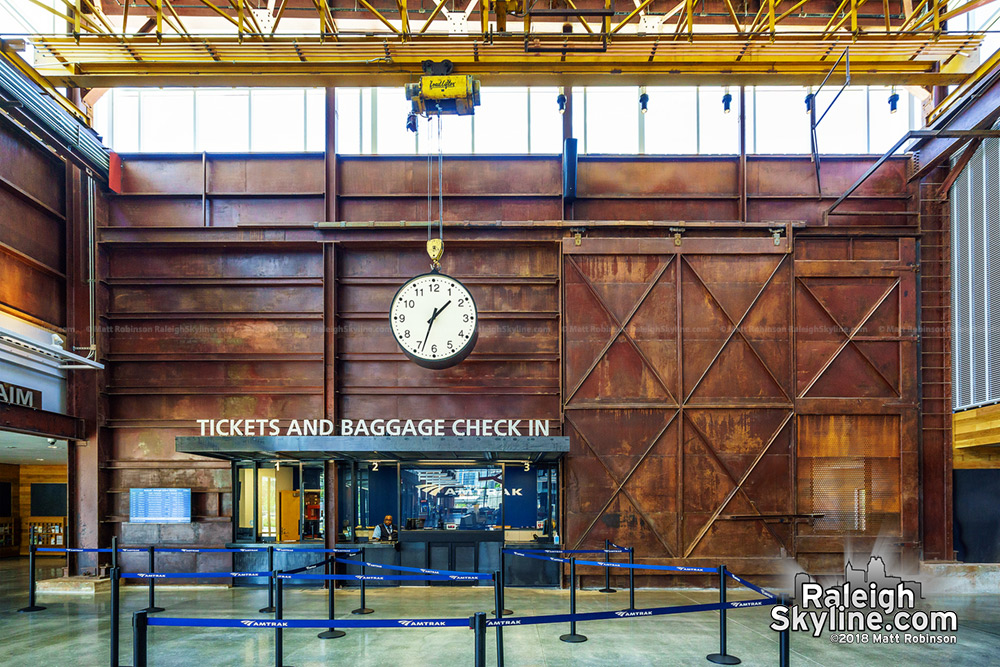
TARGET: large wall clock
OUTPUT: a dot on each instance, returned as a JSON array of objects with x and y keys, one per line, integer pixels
[{"x": 434, "y": 320}]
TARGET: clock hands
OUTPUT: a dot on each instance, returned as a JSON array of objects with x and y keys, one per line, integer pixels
[{"x": 430, "y": 322}]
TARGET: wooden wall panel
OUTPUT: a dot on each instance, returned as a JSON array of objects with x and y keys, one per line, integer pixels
[{"x": 35, "y": 474}]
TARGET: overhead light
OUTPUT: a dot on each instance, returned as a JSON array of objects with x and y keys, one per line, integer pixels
[
  {"x": 727, "y": 101},
  {"x": 411, "y": 122},
  {"x": 39, "y": 459},
  {"x": 643, "y": 100},
  {"x": 53, "y": 447},
  {"x": 561, "y": 100},
  {"x": 893, "y": 100}
]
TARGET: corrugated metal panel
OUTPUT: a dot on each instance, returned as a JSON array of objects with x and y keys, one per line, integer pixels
[
  {"x": 71, "y": 132},
  {"x": 975, "y": 214}
]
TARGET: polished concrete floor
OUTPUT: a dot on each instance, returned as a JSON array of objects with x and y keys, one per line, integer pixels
[{"x": 74, "y": 630}]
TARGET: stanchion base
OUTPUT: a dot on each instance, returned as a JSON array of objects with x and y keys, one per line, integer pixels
[
  {"x": 28, "y": 610},
  {"x": 723, "y": 659},
  {"x": 573, "y": 639},
  {"x": 607, "y": 590},
  {"x": 152, "y": 610},
  {"x": 362, "y": 610},
  {"x": 505, "y": 612},
  {"x": 267, "y": 610},
  {"x": 331, "y": 634}
]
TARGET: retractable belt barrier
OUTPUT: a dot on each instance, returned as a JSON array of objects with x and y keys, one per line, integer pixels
[
  {"x": 390, "y": 577},
  {"x": 309, "y": 623},
  {"x": 421, "y": 570},
  {"x": 617, "y": 550},
  {"x": 191, "y": 575},
  {"x": 71, "y": 550},
  {"x": 636, "y": 566}
]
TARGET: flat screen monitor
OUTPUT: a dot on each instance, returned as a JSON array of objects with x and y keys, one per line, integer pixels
[{"x": 160, "y": 505}]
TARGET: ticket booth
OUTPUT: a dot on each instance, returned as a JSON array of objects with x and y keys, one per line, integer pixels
[{"x": 456, "y": 500}]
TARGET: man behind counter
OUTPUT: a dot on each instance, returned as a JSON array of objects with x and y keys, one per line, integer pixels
[{"x": 385, "y": 531}]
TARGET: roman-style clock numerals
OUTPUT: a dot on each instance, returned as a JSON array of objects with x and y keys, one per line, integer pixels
[{"x": 434, "y": 320}]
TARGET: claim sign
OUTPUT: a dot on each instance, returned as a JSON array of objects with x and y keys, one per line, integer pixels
[{"x": 28, "y": 398}]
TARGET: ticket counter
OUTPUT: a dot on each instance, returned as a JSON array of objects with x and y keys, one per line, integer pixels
[{"x": 456, "y": 500}]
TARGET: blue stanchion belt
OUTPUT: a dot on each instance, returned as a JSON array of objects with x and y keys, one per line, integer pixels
[
  {"x": 450, "y": 622},
  {"x": 633, "y": 566},
  {"x": 389, "y": 577},
  {"x": 191, "y": 575},
  {"x": 72, "y": 550},
  {"x": 315, "y": 551},
  {"x": 574, "y": 551},
  {"x": 185, "y": 550},
  {"x": 310, "y": 623},
  {"x": 308, "y": 567},
  {"x": 133, "y": 550},
  {"x": 752, "y": 587},
  {"x": 403, "y": 568},
  {"x": 634, "y": 613}
]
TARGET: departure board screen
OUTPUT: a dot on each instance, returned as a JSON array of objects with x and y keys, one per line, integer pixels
[{"x": 160, "y": 506}]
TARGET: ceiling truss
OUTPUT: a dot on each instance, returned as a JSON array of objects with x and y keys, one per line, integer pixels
[{"x": 512, "y": 42}]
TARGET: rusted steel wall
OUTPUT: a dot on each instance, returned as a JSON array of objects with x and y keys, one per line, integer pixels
[
  {"x": 32, "y": 231},
  {"x": 717, "y": 393}
]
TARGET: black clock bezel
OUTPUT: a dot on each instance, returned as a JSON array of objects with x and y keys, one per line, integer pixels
[{"x": 445, "y": 362}]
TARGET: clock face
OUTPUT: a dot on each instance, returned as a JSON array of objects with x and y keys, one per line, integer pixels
[{"x": 434, "y": 320}]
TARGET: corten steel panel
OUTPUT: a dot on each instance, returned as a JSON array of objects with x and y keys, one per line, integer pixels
[
  {"x": 857, "y": 396},
  {"x": 657, "y": 176},
  {"x": 204, "y": 333},
  {"x": 271, "y": 174},
  {"x": 512, "y": 370},
  {"x": 162, "y": 174},
  {"x": 455, "y": 208},
  {"x": 477, "y": 176},
  {"x": 28, "y": 290},
  {"x": 31, "y": 171},
  {"x": 34, "y": 231},
  {"x": 266, "y": 262},
  {"x": 678, "y": 438}
]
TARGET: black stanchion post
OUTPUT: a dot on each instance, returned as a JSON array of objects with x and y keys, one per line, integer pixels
[
  {"x": 722, "y": 658},
  {"x": 572, "y": 637},
  {"x": 31, "y": 575},
  {"x": 478, "y": 622},
  {"x": 631, "y": 579},
  {"x": 115, "y": 610},
  {"x": 114, "y": 551},
  {"x": 498, "y": 610},
  {"x": 269, "y": 609},
  {"x": 152, "y": 608},
  {"x": 139, "y": 621},
  {"x": 784, "y": 639},
  {"x": 503, "y": 582},
  {"x": 607, "y": 569},
  {"x": 362, "y": 609},
  {"x": 279, "y": 613},
  {"x": 332, "y": 633}
]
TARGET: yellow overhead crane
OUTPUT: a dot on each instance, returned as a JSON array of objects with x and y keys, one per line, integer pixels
[{"x": 503, "y": 42}]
